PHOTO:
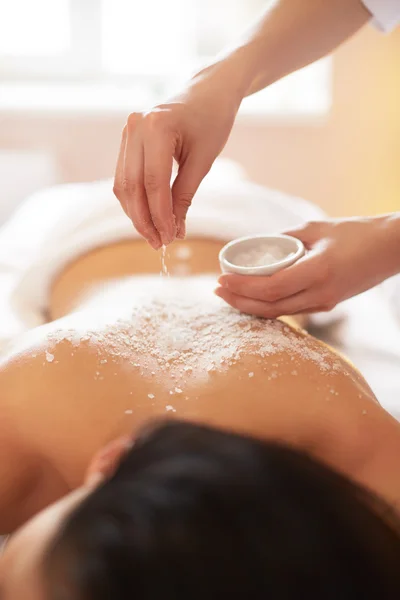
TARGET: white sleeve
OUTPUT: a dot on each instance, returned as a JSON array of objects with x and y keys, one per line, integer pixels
[{"x": 385, "y": 13}]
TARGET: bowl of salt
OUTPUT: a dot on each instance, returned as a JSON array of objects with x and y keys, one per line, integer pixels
[{"x": 260, "y": 254}]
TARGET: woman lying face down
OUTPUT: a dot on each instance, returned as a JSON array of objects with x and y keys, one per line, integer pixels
[
  {"x": 121, "y": 350},
  {"x": 189, "y": 511}
]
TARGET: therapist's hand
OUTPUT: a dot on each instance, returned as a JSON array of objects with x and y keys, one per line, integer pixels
[
  {"x": 344, "y": 258},
  {"x": 192, "y": 129}
]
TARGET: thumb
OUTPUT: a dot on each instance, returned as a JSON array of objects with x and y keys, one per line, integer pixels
[
  {"x": 308, "y": 233},
  {"x": 191, "y": 173}
]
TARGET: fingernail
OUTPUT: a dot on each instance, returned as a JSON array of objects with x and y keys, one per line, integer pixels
[
  {"x": 155, "y": 244},
  {"x": 154, "y": 241},
  {"x": 217, "y": 292},
  {"x": 166, "y": 239},
  {"x": 181, "y": 230},
  {"x": 223, "y": 280},
  {"x": 169, "y": 233}
]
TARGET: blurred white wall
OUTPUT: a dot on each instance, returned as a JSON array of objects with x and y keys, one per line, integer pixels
[{"x": 21, "y": 173}]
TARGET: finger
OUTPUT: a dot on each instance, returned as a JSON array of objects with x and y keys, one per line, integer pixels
[
  {"x": 186, "y": 184},
  {"x": 136, "y": 199},
  {"x": 158, "y": 160},
  {"x": 119, "y": 173},
  {"x": 299, "y": 304},
  {"x": 309, "y": 233},
  {"x": 287, "y": 282}
]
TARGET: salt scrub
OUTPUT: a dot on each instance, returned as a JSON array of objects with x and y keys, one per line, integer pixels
[
  {"x": 49, "y": 357},
  {"x": 264, "y": 255},
  {"x": 182, "y": 335}
]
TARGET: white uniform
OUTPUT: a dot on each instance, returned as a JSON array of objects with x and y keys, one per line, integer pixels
[{"x": 385, "y": 13}]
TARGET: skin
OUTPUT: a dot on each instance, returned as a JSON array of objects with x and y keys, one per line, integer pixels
[
  {"x": 57, "y": 415},
  {"x": 23, "y": 555},
  {"x": 193, "y": 127},
  {"x": 343, "y": 259}
]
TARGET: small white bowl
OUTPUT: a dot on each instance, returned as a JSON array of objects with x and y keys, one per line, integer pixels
[{"x": 291, "y": 248}]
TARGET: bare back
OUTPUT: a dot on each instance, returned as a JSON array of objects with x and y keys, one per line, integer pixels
[{"x": 138, "y": 348}]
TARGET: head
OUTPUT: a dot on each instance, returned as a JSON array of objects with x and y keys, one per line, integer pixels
[{"x": 193, "y": 512}]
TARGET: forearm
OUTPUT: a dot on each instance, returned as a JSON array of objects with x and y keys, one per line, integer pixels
[
  {"x": 290, "y": 35},
  {"x": 391, "y": 236}
]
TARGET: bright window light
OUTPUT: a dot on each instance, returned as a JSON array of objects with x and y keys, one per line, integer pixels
[
  {"x": 34, "y": 27},
  {"x": 112, "y": 54},
  {"x": 155, "y": 38}
]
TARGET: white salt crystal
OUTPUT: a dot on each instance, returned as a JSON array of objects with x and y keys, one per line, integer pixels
[
  {"x": 128, "y": 412},
  {"x": 178, "y": 390},
  {"x": 265, "y": 254},
  {"x": 151, "y": 396},
  {"x": 49, "y": 357},
  {"x": 251, "y": 374},
  {"x": 170, "y": 408}
]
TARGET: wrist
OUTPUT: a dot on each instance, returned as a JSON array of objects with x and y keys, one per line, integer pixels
[
  {"x": 390, "y": 239},
  {"x": 392, "y": 222},
  {"x": 231, "y": 74}
]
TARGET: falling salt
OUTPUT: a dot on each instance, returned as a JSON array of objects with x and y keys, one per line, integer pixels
[
  {"x": 49, "y": 357},
  {"x": 164, "y": 268}
]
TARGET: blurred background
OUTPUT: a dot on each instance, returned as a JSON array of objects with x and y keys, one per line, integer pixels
[{"x": 72, "y": 70}]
